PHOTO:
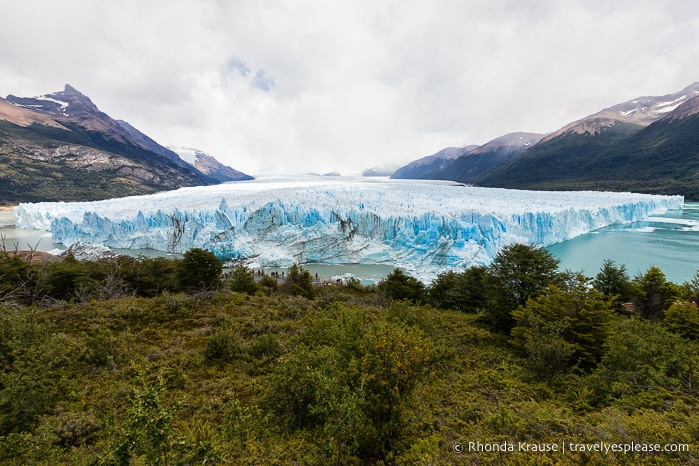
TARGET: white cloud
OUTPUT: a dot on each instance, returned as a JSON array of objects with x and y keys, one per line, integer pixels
[{"x": 314, "y": 85}]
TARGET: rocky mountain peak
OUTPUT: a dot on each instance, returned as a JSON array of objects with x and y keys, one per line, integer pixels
[{"x": 66, "y": 103}]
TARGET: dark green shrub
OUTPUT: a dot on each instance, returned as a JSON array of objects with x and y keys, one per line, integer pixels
[
  {"x": 299, "y": 282},
  {"x": 399, "y": 286},
  {"x": 563, "y": 327},
  {"x": 683, "y": 318},
  {"x": 155, "y": 275},
  {"x": 100, "y": 348},
  {"x": 223, "y": 346},
  {"x": 644, "y": 359},
  {"x": 613, "y": 282},
  {"x": 465, "y": 291},
  {"x": 264, "y": 347},
  {"x": 199, "y": 270},
  {"x": 71, "y": 279},
  {"x": 19, "y": 279},
  {"x": 652, "y": 294},
  {"x": 268, "y": 285},
  {"x": 518, "y": 273},
  {"x": 34, "y": 383},
  {"x": 242, "y": 280}
]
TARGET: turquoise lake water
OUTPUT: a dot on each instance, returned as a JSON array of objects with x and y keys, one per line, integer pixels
[{"x": 669, "y": 241}]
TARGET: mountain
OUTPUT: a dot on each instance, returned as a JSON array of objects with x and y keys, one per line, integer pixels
[
  {"x": 147, "y": 143},
  {"x": 60, "y": 146},
  {"x": 648, "y": 144},
  {"x": 207, "y": 164},
  {"x": 468, "y": 164},
  {"x": 384, "y": 169},
  {"x": 640, "y": 111},
  {"x": 427, "y": 168},
  {"x": 471, "y": 166},
  {"x": 661, "y": 157}
]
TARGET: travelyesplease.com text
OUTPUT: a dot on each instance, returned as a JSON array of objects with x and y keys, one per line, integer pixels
[{"x": 573, "y": 447}]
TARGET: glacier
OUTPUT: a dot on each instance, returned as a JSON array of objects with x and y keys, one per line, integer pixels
[{"x": 423, "y": 227}]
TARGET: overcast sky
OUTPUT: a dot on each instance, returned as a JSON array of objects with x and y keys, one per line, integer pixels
[{"x": 320, "y": 85}]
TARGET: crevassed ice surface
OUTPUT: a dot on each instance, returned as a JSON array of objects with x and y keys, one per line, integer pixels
[{"x": 424, "y": 227}]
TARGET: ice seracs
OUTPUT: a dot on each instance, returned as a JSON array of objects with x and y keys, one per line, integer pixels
[{"x": 425, "y": 227}]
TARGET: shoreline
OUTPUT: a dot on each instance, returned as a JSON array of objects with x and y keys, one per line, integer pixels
[{"x": 7, "y": 208}]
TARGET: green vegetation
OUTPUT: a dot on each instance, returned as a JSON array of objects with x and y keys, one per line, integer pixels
[{"x": 130, "y": 361}]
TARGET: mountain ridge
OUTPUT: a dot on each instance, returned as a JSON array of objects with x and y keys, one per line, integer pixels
[
  {"x": 60, "y": 146},
  {"x": 660, "y": 158},
  {"x": 208, "y": 164},
  {"x": 594, "y": 152}
]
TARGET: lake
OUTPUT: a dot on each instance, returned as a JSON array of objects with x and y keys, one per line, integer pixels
[{"x": 669, "y": 241}]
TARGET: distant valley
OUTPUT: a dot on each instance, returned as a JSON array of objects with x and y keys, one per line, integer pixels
[{"x": 61, "y": 147}]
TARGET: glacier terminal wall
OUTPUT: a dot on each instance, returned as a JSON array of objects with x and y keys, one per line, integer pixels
[{"x": 424, "y": 227}]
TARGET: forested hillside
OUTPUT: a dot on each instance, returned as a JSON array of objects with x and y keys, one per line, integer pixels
[
  {"x": 658, "y": 159},
  {"x": 158, "y": 361}
]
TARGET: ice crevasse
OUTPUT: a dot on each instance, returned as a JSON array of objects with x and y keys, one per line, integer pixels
[{"x": 420, "y": 226}]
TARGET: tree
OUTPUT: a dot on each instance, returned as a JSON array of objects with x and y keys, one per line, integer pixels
[
  {"x": 683, "y": 318},
  {"x": 613, "y": 282},
  {"x": 691, "y": 289},
  {"x": 242, "y": 280},
  {"x": 154, "y": 275},
  {"x": 518, "y": 273},
  {"x": 199, "y": 270},
  {"x": 398, "y": 286},
  {"x": 652, "y": 294},
  {"x": 463, "y": 291},
  {"x": 299, "y": 282},
  {"x": 572, "y": 321}
]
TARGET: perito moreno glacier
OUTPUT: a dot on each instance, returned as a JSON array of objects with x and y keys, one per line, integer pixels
[{"x": 424, "y": 227}]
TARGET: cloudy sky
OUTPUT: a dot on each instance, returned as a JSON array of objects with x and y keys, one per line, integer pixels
[{"x": 301, "y": 86}]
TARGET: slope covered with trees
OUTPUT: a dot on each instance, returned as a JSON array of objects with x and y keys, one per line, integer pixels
[{"x": 661, "y": 158}]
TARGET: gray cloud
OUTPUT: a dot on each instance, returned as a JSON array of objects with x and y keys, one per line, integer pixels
[{"x": 320, "y": 86}]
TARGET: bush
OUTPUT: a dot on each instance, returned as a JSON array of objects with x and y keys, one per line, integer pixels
[
  {"x": 644, "y": 359},
  {"x": 71, "y": 279},
  {"x": 349, "y": 378},
  {"x": 35, "y": 381},
  {"x": 223, "y": 346},
  {"x": 268, "y": 284},
  {"x": 19, "y": 280}
]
